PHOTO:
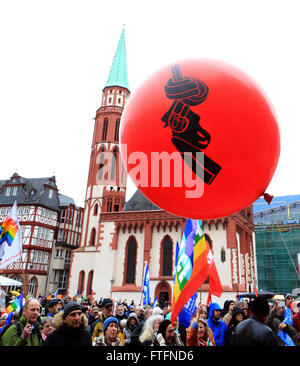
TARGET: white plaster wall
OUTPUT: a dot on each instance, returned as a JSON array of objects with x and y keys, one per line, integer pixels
[
  {"x": 82, "y": 261},
  {"x": 120, "y": 256}
]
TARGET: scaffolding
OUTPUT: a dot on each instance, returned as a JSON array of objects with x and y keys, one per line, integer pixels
[{"x": 277, "y": 247}]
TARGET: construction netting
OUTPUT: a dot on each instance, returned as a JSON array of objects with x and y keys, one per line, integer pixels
[{"x": 277, "y": 248}]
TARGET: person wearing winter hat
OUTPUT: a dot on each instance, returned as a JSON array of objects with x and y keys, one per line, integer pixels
[
  {"x": 237, "y": 316},
  {"x": 106, "y": 312},
  {"x": 109, "y": 336},
  {"x": 284, "y": 332},
  {"x": 70, "y": 327},
  {"x": 131, "y": 326},
  {"x": 107, "y": 309},
  {"x": 253, "y": 331},
  {"x": 53, "y": 307}
]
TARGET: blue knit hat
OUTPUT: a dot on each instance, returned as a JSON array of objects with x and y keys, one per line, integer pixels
[{"x": 109, "y": 320}]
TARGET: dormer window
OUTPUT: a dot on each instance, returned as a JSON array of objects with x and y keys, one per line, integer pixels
[
  {"x": 50, "y": 193},
  {"x": 7, "y": 193},
  {"x": 15, "y": 191}
]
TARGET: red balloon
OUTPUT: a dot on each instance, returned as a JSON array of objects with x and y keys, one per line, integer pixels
[{"x": 200, "y": 139}]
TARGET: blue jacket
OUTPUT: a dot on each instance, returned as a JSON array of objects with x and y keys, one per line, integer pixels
[{"x": 218, "y": 327}]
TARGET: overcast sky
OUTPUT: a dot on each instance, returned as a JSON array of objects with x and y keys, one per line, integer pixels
[{"x": 56, "y": 57}]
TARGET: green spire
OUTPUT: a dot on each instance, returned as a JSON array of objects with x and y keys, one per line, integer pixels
[{"x": 118, "y": 72}]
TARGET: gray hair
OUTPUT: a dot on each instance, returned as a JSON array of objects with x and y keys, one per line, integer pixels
[{"x": 47, "y": 319}]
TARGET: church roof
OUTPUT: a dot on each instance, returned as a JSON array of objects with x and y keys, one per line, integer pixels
[
  {"x": 118, "y": 72},
  {"x": 139, "y": 202}
]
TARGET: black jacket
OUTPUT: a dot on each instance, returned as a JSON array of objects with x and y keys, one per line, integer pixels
[
  {"x": 66, "y": 336},
  {"x": 252, "y": 332}
]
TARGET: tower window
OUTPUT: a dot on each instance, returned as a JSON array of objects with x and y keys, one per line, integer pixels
[
  {"x": 117, "y": 129},
  {"x": 109, "y": 205},
  {"x": 113, "y": 165},
  {"x": 104, "y": 131}
]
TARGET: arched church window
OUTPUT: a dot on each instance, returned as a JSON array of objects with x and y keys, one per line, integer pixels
[
  {"x": 223, "y": 255},
  {"x": 96, "y": 209},
  {"x": 93, "y": 237},
  {"x": 167, "y": 257},
  {"x": 131, "y": 261},
  {"x": 90, "y": 283},
  {"x": 81, "y": 282}
]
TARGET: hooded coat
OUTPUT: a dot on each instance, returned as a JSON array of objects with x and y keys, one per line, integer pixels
[
  {"x": 232, "y": 324},
  {"x": 64, "y": 335},
  {"x": 129, "y": 329},
  {"x": 218, "y": 326}
]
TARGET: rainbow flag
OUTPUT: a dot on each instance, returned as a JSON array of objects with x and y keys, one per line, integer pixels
[
  {"x": 192, "y": 266},
  {"x": 8, "y": 231},
  {"x": 10, "y": 238},
  {"x": 16, "y": 305}
]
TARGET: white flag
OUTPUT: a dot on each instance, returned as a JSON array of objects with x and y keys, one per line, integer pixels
[{"x": 10, "y": 238}]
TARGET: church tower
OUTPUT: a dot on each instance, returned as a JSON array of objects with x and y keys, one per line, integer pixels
[{"x": 106, "y": 186}]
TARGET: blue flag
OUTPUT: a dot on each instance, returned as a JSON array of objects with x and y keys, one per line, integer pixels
[
  {"x": 288, "y": 319},
  {"x": 55, "y": 295},
  {"x": 188, "y": 311},
  {"x": 155, "y": 302},
  {"x": 146, "y": 286}
]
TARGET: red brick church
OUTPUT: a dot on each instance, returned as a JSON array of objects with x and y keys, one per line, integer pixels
[{"x": 118, "y": 237}]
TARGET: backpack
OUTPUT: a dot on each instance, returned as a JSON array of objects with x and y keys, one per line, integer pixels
[{"x": 19, "y": 330}]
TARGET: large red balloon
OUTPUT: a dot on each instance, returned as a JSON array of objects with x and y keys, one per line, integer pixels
[{"x": 214, "y": 124}]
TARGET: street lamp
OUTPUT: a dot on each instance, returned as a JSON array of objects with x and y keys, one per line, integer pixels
[{"x": 111, "y": 286}]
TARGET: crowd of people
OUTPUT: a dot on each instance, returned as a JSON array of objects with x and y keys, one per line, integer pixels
[{"x": 65, "y": 322}]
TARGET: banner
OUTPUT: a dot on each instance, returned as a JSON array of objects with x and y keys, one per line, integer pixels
[
  {"x": 192, "y": 266},
  {"x": 10, "y": 238}
]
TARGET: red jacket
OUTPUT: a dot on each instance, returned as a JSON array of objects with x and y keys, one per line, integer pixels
[{"x": 296, "y": 322}]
